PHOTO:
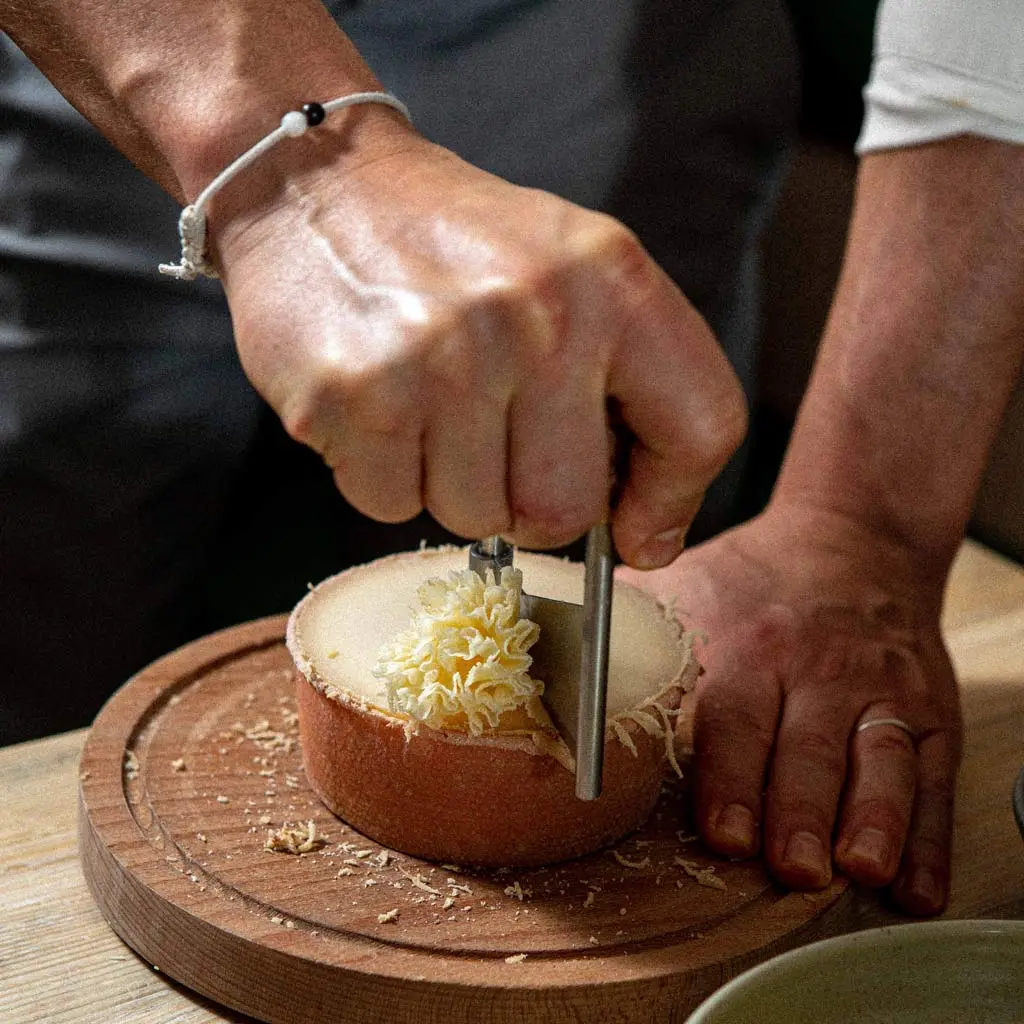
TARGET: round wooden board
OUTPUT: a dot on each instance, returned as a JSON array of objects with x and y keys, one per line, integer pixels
[{"x": 196, "y": 759}]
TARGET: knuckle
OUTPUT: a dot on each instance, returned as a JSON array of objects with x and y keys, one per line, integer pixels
[
  {"x": 704, "y": 443},
  {"x": 819, "y": 751},
  {"x": 773, "y": 630},
  {"x": 546, "y": 526},
  {"x": 380, "y": 399},
  {"x": 718, "y": 724},
  {"x": 733, "y": 419},
  {"x": 446, "y": 348},
  {"x": 888, "y": 813},
  {"x": 300, "y": 423},
  {"x": 612, "y": 243},
  {"x": 385, "y": 508},
  {"x": 524, "y": 320},
  {"x": 611, "y": 256},
  {"x": 893, "y": 743},
  {"x": 802, "y": 813},
  {"x": 719, "y": 434},
  {"x": 332, "y": 405}
]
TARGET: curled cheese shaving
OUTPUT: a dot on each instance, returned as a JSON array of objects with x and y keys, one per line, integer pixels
[
  {"x": 660, "y": 727},
  {"x": 650, "y": 725},
  {"x": 463, "y": 663},
  {"x": 660, "y": 730},
  {"x": 623, "y": 736},
  {"x": 670, "y": 742}
]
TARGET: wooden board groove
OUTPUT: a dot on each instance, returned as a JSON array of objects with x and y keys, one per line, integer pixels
[{"x": 174, "y": 811}]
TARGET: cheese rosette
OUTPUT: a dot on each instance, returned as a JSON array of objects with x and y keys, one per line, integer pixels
[{"x": 464, "y": 664}]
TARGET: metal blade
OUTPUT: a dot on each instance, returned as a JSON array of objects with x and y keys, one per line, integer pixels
[
  {"x": 593, "y": 672},
  {"x": 571, "y": 655},
  {"x": 556, "y": 659}
]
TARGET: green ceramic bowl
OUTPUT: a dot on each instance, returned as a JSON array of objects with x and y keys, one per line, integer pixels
[{"x": 939, "y": 972}]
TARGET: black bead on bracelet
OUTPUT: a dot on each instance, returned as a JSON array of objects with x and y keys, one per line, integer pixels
[{"x": 314, "y": 112}]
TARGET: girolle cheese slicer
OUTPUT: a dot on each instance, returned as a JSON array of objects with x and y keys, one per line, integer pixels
[{"x": 571, "y": 656}]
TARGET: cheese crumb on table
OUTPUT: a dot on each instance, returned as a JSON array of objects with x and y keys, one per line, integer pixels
[
  {"x": 627, "y": 863},
  {"x": 516, "y": 891},
  {"x": 294, "y": 839},
  {"x": 703, "y": 876}
]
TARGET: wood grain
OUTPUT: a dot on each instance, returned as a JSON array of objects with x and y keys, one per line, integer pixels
[
  {"x": 60, "y": 962},
  {"x": 191, "y": 764}
]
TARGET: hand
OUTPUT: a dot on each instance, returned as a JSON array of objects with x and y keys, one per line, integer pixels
[
  {"x": 815, "y": 625},
  {"x": 449, "y": 341}
]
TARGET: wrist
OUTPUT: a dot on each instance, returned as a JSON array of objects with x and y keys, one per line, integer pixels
[
  {"x": 344, "y": 140},
  {"x": 205, "y": 101},
  {"x": 922, "y": 346},
  {"x": 835, "y": 475},
  {"x": 867, "y": 549},
  {"x": 194, "y": 220}
]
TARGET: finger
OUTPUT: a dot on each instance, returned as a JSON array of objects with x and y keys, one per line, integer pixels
[
  {"x": 803, "y": 794},
  {"x": 371, "y": 437},
  {"x": 363, "y": 417},
  {"x": 734, "y": 729},
  {"x": 558, "y": 473},
  {"x": 465, "y": 471},
  {"x": 878, "y": 802},
  {"x": 560, "y": 448},
  {"x": 682, "y": 401},
  {"x": 559, "y": 460},
  {"x": 922, "y": 884},
  {"x": 466, "y": 443},
  {"x": 379, "y": 474},
  {"x": 648, "y": 473}
]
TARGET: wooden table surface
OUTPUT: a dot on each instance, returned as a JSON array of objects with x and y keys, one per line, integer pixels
[{"x": 59, "y": 962}]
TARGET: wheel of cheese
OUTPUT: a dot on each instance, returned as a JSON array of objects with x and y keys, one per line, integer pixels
[{"x": 503, "y": 798}]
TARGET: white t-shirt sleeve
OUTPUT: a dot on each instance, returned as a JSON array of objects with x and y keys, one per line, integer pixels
[{"x": 944, "y": 68}]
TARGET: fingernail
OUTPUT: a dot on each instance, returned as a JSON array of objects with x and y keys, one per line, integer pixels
[
  {"x": 805, "y": 853},
  {"x": 735, "y": 827},
  {"x": 924, "y": 887},
  {"x": 661, "y": 549},
  {"x": 871, "y": 847}
]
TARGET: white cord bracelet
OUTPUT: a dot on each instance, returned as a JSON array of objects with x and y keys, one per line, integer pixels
[{"x": 192, "y": 222}]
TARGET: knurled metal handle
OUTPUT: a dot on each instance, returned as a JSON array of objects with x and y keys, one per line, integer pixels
[{"x": 489, "y": 556}]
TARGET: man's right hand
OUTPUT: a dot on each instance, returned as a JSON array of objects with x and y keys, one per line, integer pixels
[
  {"x": 448, "y": 341},
  {"x": 444, "y": 339}
]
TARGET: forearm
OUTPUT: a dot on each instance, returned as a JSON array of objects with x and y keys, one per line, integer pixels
[
  {"x": 183, "y": 86},
  {"x": 922, "y": 348}
]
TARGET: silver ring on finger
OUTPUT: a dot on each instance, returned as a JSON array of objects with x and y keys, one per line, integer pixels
[{"x": 897, "y": 722}]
